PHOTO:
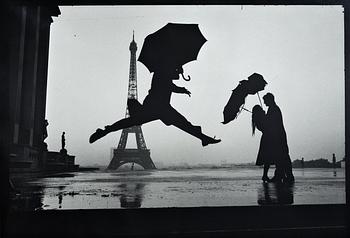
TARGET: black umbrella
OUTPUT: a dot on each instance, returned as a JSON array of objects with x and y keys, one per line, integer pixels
[
  {"x": 253, "y": 85},
  {"x": 171, "y": 46}
]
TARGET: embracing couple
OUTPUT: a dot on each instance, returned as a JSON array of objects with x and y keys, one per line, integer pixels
[{"x": 273, "y": 144}]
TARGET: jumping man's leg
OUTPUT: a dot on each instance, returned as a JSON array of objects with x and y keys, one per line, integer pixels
[
  {"x": 121, "y": 124},
  {"x": 173, "y": 117}
]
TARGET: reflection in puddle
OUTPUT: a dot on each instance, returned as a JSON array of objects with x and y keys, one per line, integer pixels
[
  {"x": 275, "y": 193},
  {"x": 30, "y": 195},
  {"x": 218, "y": 187},
  {"x": 60, "y": 197},
  {"x": 33, "y": 197},
  {"x": 28, "y": 199},
  {"x": 131, "y": 195}
]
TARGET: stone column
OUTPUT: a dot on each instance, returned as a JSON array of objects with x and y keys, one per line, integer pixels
[
  {"x": 35, "y": 80},
  {"x": 17, "y": 69},
  {"x": 41, "y": 89},
  {"x": 29, "y": 76},
  {"x": 40, "y": 104}
]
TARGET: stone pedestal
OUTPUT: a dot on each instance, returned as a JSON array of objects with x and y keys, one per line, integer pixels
[{"x": 60, "y": 162}]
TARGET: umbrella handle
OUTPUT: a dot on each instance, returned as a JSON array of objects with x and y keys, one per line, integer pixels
[
  {"x": 189, "y": 77},
  {"x": 259, "y": 99}
]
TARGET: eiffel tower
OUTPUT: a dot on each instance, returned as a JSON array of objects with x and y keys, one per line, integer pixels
[{"x": 141, "y": 155}]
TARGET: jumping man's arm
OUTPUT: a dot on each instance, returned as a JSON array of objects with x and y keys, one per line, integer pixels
[{"x": 177, "y": 89}]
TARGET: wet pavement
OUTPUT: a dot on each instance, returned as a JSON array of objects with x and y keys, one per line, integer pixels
[{"x": 177, "y": 188}]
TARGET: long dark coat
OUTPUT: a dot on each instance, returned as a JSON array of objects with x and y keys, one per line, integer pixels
[
  {"x": 273, "y": 144},
  {"x": 263, "y": 156}
]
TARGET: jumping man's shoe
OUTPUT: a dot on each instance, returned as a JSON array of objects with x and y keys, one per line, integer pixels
[
  {"x": 208, "y": 140},
  {"x": 99, "y": 133}
]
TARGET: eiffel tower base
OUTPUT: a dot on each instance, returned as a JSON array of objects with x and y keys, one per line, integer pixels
[{"x": 123, "y": 156}]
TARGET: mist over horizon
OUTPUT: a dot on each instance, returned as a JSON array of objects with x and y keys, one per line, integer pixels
[{"x": 298, "y": 49}]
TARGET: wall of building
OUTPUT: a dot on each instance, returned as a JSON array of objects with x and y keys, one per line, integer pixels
[{"x": 24, "y": 83}]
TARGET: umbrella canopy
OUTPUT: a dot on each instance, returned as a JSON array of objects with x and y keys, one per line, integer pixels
[
  {"x": 171, "y": 46},
  {"x": 253, "y": 85},
  {"x": 256, "y": 83}
]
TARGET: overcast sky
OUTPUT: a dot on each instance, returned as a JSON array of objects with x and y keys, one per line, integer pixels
[{"x": 298, "y": 50}]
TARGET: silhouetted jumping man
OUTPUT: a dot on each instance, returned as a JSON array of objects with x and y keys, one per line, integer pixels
[
  {"x": 157, "y": 106},
  {"x": 276, "y": 141}
]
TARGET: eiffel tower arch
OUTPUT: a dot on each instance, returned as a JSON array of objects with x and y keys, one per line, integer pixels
[{"x": 141, "y": 155}]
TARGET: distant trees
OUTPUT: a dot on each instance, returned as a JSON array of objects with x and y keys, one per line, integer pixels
[{"x": 318, "y": 163}]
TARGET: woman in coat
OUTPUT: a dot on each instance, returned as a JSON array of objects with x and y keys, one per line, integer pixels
[{"x": 263, "y": 158}]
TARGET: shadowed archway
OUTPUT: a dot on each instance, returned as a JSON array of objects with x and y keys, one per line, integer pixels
[{"x": 140, "y": 157}]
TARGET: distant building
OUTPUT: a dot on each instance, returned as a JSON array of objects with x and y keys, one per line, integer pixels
[
  {"x": 227, "y": 165},
  {"x": 342, "y": 164},
  {"x": 318, "y": 163},
  {"x": 302, "y": 163}
]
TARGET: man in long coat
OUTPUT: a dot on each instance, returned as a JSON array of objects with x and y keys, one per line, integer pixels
[{"x": 277, "y": 146}]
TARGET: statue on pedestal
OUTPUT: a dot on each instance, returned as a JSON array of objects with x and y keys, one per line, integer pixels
[{"x": 63, "y": 142}]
